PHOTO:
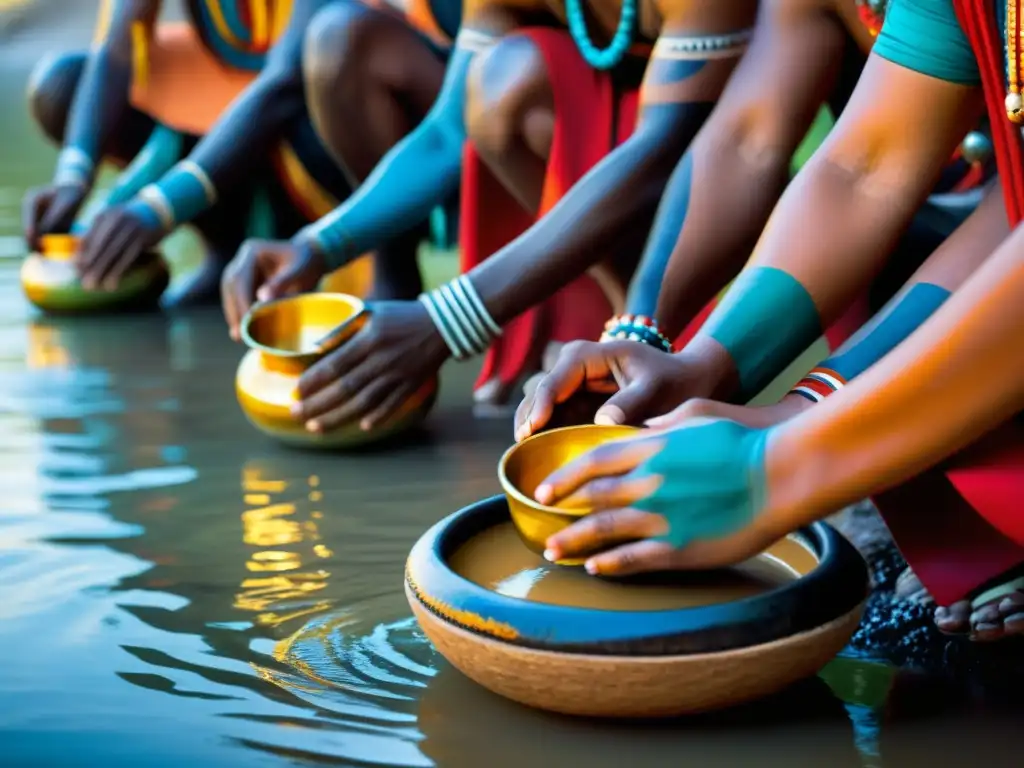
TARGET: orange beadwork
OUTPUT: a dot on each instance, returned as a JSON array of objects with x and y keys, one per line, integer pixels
[{"x": 1014, "y": 63}]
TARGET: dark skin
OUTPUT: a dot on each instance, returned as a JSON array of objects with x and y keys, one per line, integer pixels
[
  {"x": 120, "y": 236},
  {"x": 738, "y": 168},
  {"x": 369, "y": 80},
  {"x": 99, "y": 105},
  {"x": 370, "y": 376}
]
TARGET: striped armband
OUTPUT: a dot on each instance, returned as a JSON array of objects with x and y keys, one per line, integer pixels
[
  {"x": 461, "y": 318},
  {"x": 637, "y": 328},
  {"x": 818, "y": 384},
  {"x": 182, "y": 194},
  {"x": 74, "y": 168}
]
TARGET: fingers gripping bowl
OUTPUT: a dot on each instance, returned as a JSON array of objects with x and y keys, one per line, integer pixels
[
  {"x": 50, "y": 281},
  {"x": 528, "y": 462},
  {"x": 282, "y": 337}
]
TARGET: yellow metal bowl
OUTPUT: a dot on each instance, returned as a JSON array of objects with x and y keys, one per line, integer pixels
[
  {"x": 526, "y": 464},
  {"x": 50, "y": 281},
  {"x": 282, "y": 337}
]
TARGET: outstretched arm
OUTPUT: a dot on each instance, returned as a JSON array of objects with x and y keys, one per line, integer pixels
[
  {"x": 955, "y": 379},
  {"x": 682, "y": 83},
  {"x": 722, "y": 192},
  {"x": 249, "y": 128},
  {"x": 419, "y": 172},
  {"x": 102, "y": 95},
  {"x": 837, "y": 222}
]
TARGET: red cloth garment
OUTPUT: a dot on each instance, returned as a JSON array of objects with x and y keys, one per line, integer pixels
[{"x": 591, "y": 118}]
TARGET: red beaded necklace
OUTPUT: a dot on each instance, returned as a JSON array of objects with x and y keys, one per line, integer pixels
[{"x": 1014, "y": 63}]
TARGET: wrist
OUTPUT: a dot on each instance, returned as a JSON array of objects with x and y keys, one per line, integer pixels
[
  {"x": 75, "y": 168},
  {"x": 712, "y": 373},
  {"x": 637, "y": 328},
  {"x": 329, "y": 239},
  {"x": 460, "y": 318},
  {"x": 143, "y": 211},
  {"x": 182, "y": 194}
]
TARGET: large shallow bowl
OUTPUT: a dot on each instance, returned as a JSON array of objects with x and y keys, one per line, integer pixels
[
  {"x": 636, "y": 663},
  {"x": 50, "y": 281},
  {"x": 281, "y": 336},
  {"x": 527, "y": 463}
]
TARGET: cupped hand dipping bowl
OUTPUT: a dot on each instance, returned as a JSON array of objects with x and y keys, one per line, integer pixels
[
  {"x": 526, "y": 464},
  {"x": 561, "y": 640},
  {"x": 50, "y": 281},
  {"x": 282, "y": 336}
]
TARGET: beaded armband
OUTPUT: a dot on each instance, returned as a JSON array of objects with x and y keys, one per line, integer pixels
[
  {"x": 636, "y": 328},
  {"x": 818, "y": 384},
  {"x": 461, "y": 318}
]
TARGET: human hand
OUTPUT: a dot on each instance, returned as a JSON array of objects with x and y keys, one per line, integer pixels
[
  {"x": 51, "y": 210},
  {"x": 117, "y": 239},
  {"x": 683, "y": 498},
  {"x": 371, "y": 375},
  {"x": 264, "y": 270},
  {"x": 642, "y": 381}
]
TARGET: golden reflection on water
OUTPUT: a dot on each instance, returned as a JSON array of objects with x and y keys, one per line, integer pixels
[
  {"x": 46, "y": 348},
  {"x": 279, "y": 523}
]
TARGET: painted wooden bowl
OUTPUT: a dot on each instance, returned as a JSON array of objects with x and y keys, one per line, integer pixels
[
  {"x": 527, "y": 463},
  {"x": 50, "y": 281},
  {"x": 663, "y": 645},
  {"x": 282, "y": 337}
]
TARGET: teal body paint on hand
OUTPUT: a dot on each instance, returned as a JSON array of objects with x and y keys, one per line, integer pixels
[
  {"x": 764, "y": 322},
  {"x": 900, "y": 318},
  {"x": 714, "y": 480}
]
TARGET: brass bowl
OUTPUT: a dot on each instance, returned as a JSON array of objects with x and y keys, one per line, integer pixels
[
  {"x": 527, "y": 463},
  {"x": 50, "y": 281},
  {"x": 282, "y": 337}
]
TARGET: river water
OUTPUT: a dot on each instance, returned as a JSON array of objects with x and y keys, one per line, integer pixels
[{"x": 176, "y": 590}]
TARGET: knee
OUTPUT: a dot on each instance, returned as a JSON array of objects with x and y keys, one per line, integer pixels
[
  {"x": 509, "y": 97},
  {"x": 51, "y": 88},
  {"x": 335, "y": 40}
]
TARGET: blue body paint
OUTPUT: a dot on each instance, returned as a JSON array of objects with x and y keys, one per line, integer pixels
[
  {"x": 713, "y": 480},
  {"x": 764, "y": 322},
  {"x": 903, "y": 315},
  {"x": 675, "y": 204},
  {"x": 421, "y": 172}
]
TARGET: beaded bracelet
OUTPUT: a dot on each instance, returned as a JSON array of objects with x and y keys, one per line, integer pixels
[
  {"x": 461, "y": 318},
  {"x": 183, "y": 193},
  {"x": 74, "y": 168},
  {"x": 818, "y": 384},
  {"x": 637, "y": 328}
]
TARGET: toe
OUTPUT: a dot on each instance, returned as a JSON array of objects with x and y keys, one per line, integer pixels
[{"x": 954, "y": 620}]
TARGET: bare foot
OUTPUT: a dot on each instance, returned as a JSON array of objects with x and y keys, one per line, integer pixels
[{"x": 995, "y": 614}]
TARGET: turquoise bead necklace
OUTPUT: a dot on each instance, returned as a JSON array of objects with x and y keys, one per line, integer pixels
[{"x": 602, "y": 58}]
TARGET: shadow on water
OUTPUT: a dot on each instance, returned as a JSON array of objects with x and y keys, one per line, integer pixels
[{"x": 176, "y": 590}]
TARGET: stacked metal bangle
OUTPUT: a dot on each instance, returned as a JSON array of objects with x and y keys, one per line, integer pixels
[
  {"x": 637, "y": 328},
  {"x": 461, "y": 318},
  {"x": 818, "y": 384}
]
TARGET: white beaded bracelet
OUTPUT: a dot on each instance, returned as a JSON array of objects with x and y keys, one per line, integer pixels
[{"x": 461, "y": 318}]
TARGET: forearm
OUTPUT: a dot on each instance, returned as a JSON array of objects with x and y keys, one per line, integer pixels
[
  {"x": 942, "y": 273},
  {"x": 715, "y": 206},
  {"x": 951, "y": 381},
  {"x": 102, "y": 95},
  {"x": 593, "y": 218},
  {"x": 419, "y": 173}
]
